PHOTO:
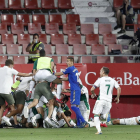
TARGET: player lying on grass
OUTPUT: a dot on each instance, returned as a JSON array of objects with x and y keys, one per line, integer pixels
[{"x": 127, "y": 121}]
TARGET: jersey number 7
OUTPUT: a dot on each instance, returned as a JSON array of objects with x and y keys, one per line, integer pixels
[{"x": 108, "y": 88}]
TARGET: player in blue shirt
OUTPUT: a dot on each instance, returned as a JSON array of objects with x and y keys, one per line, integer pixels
[{"x": 73, "y": 78}]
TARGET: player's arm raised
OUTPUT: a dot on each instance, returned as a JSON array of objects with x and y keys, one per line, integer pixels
[{"x": 117, "y": 99}]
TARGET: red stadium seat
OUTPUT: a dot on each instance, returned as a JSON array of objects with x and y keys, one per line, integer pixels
[
  {"x": 3, "y": 59},
  {"x": 3, "y": 28},
  {"x": 92, "y": 39},
  {"x": 103, "y": 59},
  {"x": 48, "y": 49},
  {"x": 55, "y": 58},
  {"x": 109, "y": 39},
  {"x": 7, "y": 39},
  {"x": 136, "y": 26},
  {"x": 39, "y": 19},
  {"x": 57, "y": 39},
  {"x": 24, "y": 46},
  {"x": 7, "y": 19},
  {"x": 105, "y": 29},
  {"x": 17, "y": 28},
  {"x": 48, "y": 4},
  {"x": 69, "y": 28},
  {"x": 122, "y": 59},
  {"x": 65, "y": 4},
  {"x": 97, "y": 49},
  {"x": 63, "y": 59},
  {"x": 79, "y": 49},
  {"x": 117, "y": 3},
  {"x": 43, "y": 38},
  {"x": 139, "y": 19},
  {"x": 74, "y": 39},
  {"x": 62, "y": 49},
  {"x": 56, "y": 19},
  {"x": 87, "y": 29},
  {"x": 1, "y": 50},
  {"x": 14, "y": 4},
  {"x": 34, "y": 28},
  {"x": 31, "y": 4},
  {"x": 135, "y": 4},
  {"x": 19, "y": 59},
  {"x": 52, "y": 28},
  {"x": 23, "y": 39},
  {"x": 23, "y": 18},
  {"x": 12, "y": 49},
  {"x": 2, "y": 4},
  {"x": 86, "y": 59},
  {"x": 114, "y": 47},
  {"x": 73, "y": 18}
]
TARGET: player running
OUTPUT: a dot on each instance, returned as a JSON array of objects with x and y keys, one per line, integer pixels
[
  {"x": 104, "y": 102},
  {"x": 73, "y": 79}
]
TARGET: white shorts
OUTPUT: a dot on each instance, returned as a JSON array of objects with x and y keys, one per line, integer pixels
[
  {"x": 44, "y": 75},
  {"x": 85, "y": 114},
  {"x": 101, "y": 107},
  {"x": 128, "y": 121},
  {"x": 42, "y": 101}
]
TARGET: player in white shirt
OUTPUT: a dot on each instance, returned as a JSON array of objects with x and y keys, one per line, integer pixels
[
  {"x": 6, "y": 81},
  {"x": 127, "y": 121},
  {"x": 103, "y": 105}
]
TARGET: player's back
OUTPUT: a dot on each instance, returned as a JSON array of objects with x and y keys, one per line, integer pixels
[{"x": 106, "y": 85}]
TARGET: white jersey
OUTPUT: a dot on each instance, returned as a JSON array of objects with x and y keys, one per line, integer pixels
[{"x": 106, "y": 85}]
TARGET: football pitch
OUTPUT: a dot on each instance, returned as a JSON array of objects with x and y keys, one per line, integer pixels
[{"x": 110, "y": 133}]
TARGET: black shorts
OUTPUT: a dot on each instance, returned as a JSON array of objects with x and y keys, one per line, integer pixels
[{"x": 129, "y": 20}]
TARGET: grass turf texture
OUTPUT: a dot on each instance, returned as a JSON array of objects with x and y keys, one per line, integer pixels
[{"x": 110, "y": 133}]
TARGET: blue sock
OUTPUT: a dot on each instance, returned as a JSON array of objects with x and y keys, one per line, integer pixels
[
  {"x": 78, "y": 114},
  {"x": 78, "y": 121}
]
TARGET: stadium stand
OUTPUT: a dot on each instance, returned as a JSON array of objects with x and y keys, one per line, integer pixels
[
  {"x": 3, "y": 59},
  {"x": 48, "y": 4},
  {"x": 12, "y": 49},
  {"x": 23, "y": 18},
  {"x": 136, "y": 26},
  {"x": 114, "y": 47},
  {"x": 43, "y": 38},
  {"x": 86, "y": 59},
  {"x": 120, "y": 59},
  {"x": 103, "y": 59},
  {"x": 52, "y": 28},
  {"x": 24, "y": 46},
  {"x": 34, "y": 28},
  {"x": 2, "y": 5},
  {"x": 65, "y": 4},
  {"x": 135, "y": 4},
  {"x": 3, "y": 28},
  {"x": 92, "y": 39},
  {"x": 109, "y": 39},
  {"x": 7, "y": 19},
  {"x": 56, "y": 19},
  {"x": 73, "y": 18},
  {"x": 98, "y": 49},
  {"x": 79, "y": 49},
  {"x": 69, "y": 28},
  {"x": 39, "y": 19},
  {"x": 17, "y": 28},
  {"x": 7, "y": 39},
  {"x": 31, "y": 4},
  {"x": 19, "y": 59},
  {"x": 1, "y": 49},
  {"x": 48, "y": 49},
  {"x": 23, "y": 39},
  {"x": 117, "y": 3},
  {"x": 105, "y": 29},
  {"x": 62, "y": 49},
  {"x": 14, "y": 4},
  {"x": 87, "y": 29},
  {"x": 57, "y": 39},
  {"x": 74, "y": 39},
  {"x": 139, "y": 19}
]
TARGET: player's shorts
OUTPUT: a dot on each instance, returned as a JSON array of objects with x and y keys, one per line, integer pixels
[
  {"x": 19, "y": 97},
  {"x": 102, "y": 107},
  {"x": 6, "y": 97},
  {"x": 42, "y": 101},
  {"x": 75, "y": 97},
  {"x": 85, "y": 114},
  {"x": 128, "y": 121},
  {"x": 43, "y": 89},
  {"x": 45, "y": 75}
]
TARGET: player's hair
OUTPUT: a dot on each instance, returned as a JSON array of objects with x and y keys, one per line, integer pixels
[
  {"x": 35, "y": 35},
  {"x": 106, "y": 70},
  {"x": 71, "y": 59},
  {"x": 66, "y": 98},
  {"x": 42, "y": 53},
  {"x": 9, "y": 62},
  {"x": 67, "y": 113}
]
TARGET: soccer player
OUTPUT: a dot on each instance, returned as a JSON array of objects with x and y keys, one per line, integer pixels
[
  {"x": 103, "y": 105},
  {"x": 127, "y": 121},
  {"x": 43, "y": 70},
  {"x": 73, "y": 79},
  {"x": 6, "y": 81}
]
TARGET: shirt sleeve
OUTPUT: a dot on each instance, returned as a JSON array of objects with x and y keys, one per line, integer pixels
[
  {"x": 97, "y": 83},
  {"x": 35, "y": 65},
  {"x": 40, "y": 47},
  {"x": 29, "y": 44},
  {"x": 67, "y": 71},
  {"x": 52, "y": 60},
  {"x": 14, "y": 72},
  {"x": 116, "y": 84}
]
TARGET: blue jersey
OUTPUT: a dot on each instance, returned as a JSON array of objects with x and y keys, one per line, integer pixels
[{"x": 73, "y": 77}]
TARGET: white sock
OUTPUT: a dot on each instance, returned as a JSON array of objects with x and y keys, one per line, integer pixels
[
  {"x": 72, "y": 123},
  {"x": 32, "y": 84},
  {"x": 92, "y": 124},
  {"x": 97, "y": 123},
  {"x": 54, "y": 113},
  {"x": 38, "y": 116},
  {"x": 59, "y": 89}
]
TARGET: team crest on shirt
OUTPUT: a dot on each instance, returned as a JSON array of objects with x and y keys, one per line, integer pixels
[{"x": 40, "y": 48}]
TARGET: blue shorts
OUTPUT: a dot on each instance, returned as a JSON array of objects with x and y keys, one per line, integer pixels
[{"x": 75, "y": 97}]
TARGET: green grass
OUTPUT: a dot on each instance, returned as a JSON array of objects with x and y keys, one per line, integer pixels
[{"x": 110, "y": 133}]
